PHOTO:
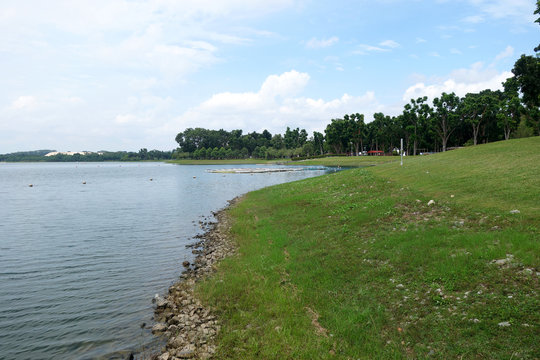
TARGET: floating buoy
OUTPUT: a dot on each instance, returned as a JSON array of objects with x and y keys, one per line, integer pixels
[
  {"x": 194, "y": 177},
  {"x": 151, "y": 179},
  {"x": 84, "y": 182},
  {"x": 30, "y": 185}
]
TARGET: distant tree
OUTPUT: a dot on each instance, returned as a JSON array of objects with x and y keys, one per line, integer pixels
[
  {"x": 476, "y": 108},
  {"x": 302, "y": 137},
  {"x": 308, "y": 149},
  {"x": 318, "y": 141},
  {"x": 446, "y": 117},
  {"x": 356, "y": 128},
  {"x": 416, "y": 114},
  {"x": 277, "y": 142},
  {"x": 337, "y": 135},
  {"x": 511, "y": 107}
]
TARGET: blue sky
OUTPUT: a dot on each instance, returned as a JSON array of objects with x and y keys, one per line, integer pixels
[{"x": 123, "y": 75}]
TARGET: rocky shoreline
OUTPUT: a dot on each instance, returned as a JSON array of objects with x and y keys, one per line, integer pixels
[{"x": 190, "y": 327}]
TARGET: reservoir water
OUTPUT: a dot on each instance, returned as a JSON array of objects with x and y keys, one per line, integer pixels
[{"x": 84, "y": 250}]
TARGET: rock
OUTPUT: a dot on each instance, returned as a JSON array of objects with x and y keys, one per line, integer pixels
[
  {"x": 173, "y": 329},
  {"x": 175, "y": 320},
  {"x": 161, "y": 302},
  {"x": 176, "y": 342},
  {"x": 504, "y": 324},
  {"x": 164, "y": 356},
  {"x": 187, "y": 352},
  {"x": 515, "y": 211},
  {"x": 431, "y": 202},
  {"x": 185, "y": 264},
  {"x": 400, "y": 286},
  {"x": 159, "y": 328}
]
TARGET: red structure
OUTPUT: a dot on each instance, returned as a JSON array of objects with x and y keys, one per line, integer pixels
[{"x": 375, "y": 153}]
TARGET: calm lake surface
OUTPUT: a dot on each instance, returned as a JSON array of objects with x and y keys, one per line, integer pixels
[{"x": 80, "y": 263}]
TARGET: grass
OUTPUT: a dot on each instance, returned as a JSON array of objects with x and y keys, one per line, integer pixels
[
  {"x": 357, "y": 265},
  {"x": 349, "y": 161}
]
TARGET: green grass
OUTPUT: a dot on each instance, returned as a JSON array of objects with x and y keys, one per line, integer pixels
[
  {"x": 388, "y": 275},
  {"x": 346, "y": 161}
]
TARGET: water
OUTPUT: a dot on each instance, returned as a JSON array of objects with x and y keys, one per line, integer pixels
[{"x": 80, "y": 263}]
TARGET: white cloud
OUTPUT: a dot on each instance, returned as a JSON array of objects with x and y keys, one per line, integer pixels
[
  {"x": 519, "y": 10},
  {"x": 314, "y": 43},
  {"x": 460, "y": 81},
  {"x": 25, "y": 102},
  {"x": 164, "y": 37},
  {"x": 455, "y": 51},
  {"x": 508, "y": 52},
  {"x": 277, "y": 104},
  {"x": 420, "y": 40},
  {"x": 383, "y": 46},
  {"x": 391, "y": 44},
  {"x": 474, "y": 19}
]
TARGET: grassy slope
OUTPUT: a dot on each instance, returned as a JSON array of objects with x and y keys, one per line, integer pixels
[
  {"x": 348, "y": 161},
  {"x": 387, "y": 275}
]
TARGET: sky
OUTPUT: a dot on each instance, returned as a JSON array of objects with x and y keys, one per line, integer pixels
[{"x": 129, "y": 74}]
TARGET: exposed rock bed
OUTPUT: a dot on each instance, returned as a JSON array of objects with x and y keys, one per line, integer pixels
[{"x": 190, "y": 327}]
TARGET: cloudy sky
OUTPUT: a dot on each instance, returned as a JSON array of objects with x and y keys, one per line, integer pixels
[{"x": 127, "y": 74}]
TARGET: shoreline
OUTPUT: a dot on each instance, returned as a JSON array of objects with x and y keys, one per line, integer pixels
[{"x": 189, "y": 328}]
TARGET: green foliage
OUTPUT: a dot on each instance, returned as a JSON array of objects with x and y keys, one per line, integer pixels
[
  {"x": 523, "y": 131},
  {"x": 39, "y": 155}
]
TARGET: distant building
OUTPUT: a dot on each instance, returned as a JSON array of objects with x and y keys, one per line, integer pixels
[{"x": 69, "y": 153}]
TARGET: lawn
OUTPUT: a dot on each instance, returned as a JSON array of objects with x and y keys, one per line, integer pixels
[{"x": 360, "y": 264}]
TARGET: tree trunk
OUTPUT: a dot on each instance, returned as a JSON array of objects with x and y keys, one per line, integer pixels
[{"x": 475, "y": 132}]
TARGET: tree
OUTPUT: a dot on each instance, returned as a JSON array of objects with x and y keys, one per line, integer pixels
[
  {"x": 277, "y": 142},
  {"x": 336, "y": 135},
  {"x": 476, "y": 108},
  {"x": 527, "y": 73},
  {"x": 356, "y": 128},
  {"x": 318, "y": 141},
  {"x": 446, "y": 118},
  {"x": 416, "y": 114},
  {"x": 537, "y": 12},
  {"x": 511, "y": 107}
]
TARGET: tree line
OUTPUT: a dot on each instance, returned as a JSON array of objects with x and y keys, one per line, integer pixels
[
  {"x": 445, "y": 122},
  {"x": 39, "y": 156}
]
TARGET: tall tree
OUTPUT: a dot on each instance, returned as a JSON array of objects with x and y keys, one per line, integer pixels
[
  {"x": 356, "y": 128},
  {"x": 537, "y": 12},
  {"x": 477, "y": 108},
  {"x": 446, "y": 118},
  {"x": 511, "y": 107},
  {"x": 337, "y": 135},
  {"x": 416, "y": 113},
  {"x": 527, "y": 73},
  {"x": 318, "y": 141}
]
